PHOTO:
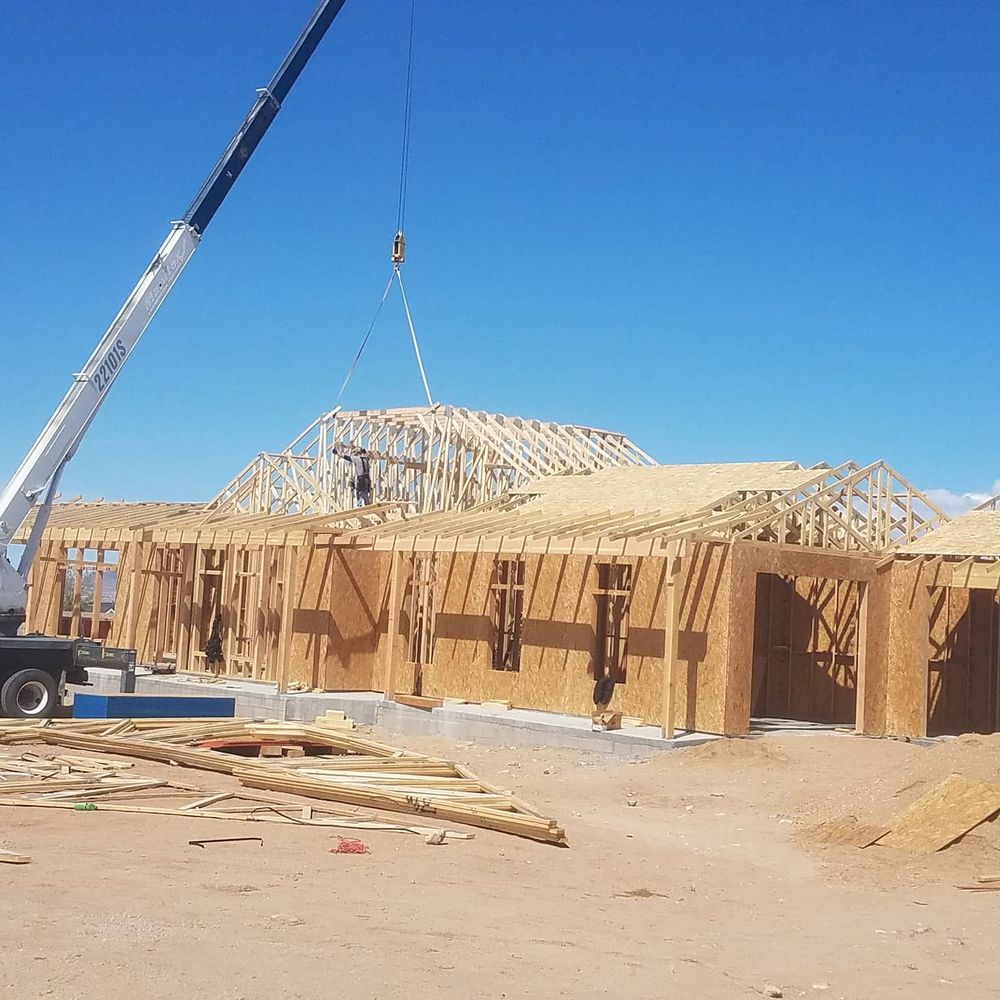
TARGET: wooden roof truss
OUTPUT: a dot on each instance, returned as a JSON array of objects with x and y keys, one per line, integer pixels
[
  {"x": 869, "y": 509},
  {"x": 437, "y": 458},
  {"x": 848, "y": 508}
]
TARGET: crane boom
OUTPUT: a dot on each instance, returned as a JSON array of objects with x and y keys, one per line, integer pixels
[{"x": 39, "y": 472}]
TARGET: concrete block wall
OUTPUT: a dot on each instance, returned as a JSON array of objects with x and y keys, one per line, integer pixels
[{"x": 469, "y": 724}]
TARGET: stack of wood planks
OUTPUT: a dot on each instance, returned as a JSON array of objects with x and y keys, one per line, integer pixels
[
  {"x": 70, "y": 782},
  {"x": 337, "y": 766}
]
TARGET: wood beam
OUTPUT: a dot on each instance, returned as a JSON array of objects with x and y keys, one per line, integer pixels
[
  {"x": 393, "y": 627},
  {"x": 671, "y": 629}
]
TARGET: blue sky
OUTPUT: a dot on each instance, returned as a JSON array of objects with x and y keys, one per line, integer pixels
[{"x": 733, "y": 231}]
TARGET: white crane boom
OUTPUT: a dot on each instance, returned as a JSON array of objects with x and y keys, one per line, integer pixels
[{"x": 37, "y": 477}]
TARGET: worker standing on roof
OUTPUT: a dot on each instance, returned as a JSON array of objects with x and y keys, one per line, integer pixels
[{"x": 361, "y": 481}]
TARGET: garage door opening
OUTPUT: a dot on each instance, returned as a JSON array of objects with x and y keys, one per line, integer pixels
[
  {"x": 805, "y": 651},
  {"x": 964, "y": 633}
]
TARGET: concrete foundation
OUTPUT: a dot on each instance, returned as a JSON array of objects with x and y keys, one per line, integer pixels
[{"x": 475, "y": 723}]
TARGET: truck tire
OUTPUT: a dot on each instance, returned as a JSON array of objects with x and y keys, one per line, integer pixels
[{"x": 29, "y": 694}]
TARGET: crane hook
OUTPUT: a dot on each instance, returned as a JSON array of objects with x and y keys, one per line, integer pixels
[{"x": 398, "y": 248}]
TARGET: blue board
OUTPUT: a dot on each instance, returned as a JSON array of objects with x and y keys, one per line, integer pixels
[{"x": 152, "y": 706}]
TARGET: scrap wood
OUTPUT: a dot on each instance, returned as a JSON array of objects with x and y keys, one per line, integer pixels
[
  {"x": 104, "y": 788},
  {"x": 944, "y": 814},
  {"x": 208, "y": 800},
  {"x": 848, "y": 832},
  {"x": 417, "y": 701},
  {"x": 984, "y": 883},
  {"x": 12, "y": 858}
]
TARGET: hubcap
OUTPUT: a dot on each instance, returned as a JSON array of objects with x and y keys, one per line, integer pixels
[{"x": 32, "y": 698}]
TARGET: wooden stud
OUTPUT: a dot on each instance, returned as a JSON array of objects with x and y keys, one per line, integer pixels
[
  {"x": 392, "y": 633},
  {"x": 671, "y": 631},
  {"x": 288, "y": 600}
]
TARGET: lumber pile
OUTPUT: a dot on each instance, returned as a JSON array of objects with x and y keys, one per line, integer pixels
[
  {"x": 336, "y": 766},
  {"x": 331, "y": 719},
  {"x": 92, "y": 785}
]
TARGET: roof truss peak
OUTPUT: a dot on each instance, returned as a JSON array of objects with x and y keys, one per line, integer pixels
[
  {"x": 427, "y": 459},
  {"x": 868, "y": 508}
]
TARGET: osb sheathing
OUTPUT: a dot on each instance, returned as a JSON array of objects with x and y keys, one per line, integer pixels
[
  {"x": 334, "y": 627},
  {"x": 906, "y": 667},
  {"x": 874, "y": 651},
  {"x": 706, "y": 667},
  {"x": 897, "y": 649},
  {"x": 340, "y": 615},
  {"x": 558, "y": 650}
]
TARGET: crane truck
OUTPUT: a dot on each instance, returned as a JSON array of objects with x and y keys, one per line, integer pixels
[{"x": 35, "y": 669}]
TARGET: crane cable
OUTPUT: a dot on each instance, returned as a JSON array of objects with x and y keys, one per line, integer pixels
[
  {"x": 404, "y": 160},
  {"x": 399, "y": 240}
]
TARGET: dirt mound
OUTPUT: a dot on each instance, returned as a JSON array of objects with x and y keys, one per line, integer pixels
[
  {"x": 891, "y": 786},
  {"x": 736, "y": 752},
  {"x": 873, "y": 781}
]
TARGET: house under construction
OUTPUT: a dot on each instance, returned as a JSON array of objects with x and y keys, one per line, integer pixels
[{"x": 503, "y": 558}]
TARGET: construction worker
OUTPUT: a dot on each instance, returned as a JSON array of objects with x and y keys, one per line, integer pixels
[{"x": 361, "y": 481}]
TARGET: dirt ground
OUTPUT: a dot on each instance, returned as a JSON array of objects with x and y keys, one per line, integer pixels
[{"x": 689, "y": 874}]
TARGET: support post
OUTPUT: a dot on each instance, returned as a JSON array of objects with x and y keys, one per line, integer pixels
[
  {"x": 392, "y": 632},
  {"x": 98, "y": 596},
  {"x": 860, "y": 659},
  {"x": 671, "y": 628},
  {"x": 75, "y": 616},
  {"x": 134, "y": 597},
  {"x": 287, "y": 611}
]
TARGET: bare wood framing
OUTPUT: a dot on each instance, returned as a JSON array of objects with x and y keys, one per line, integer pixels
[
  {"x": 393, "y": 630},
  {"x": 671, "y": 630}
]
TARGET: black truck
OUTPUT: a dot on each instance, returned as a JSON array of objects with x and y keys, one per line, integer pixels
[
  {"x": 35, "y": 669},
  {"x": 34, "y": 672}
]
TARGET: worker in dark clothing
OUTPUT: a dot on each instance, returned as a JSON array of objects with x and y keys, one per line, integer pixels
[
  {"x": 213, "y": 647},
  {"x": 361, "y": 477}
]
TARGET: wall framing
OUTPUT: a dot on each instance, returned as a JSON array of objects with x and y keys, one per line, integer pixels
[{"x": 380, "y": 598}]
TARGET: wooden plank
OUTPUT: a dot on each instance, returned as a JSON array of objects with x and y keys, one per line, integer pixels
[
  {"x": 976, "y": 576},
  {"x": 861, "y": 661},
  {"x": 671, "y": 630},
  {"x": 392, "y": 638},
  {"x": 74, "y": 628},
  {"x": 848, "y": 832},
  {"x": 945, "y": 813},
  {"x": 287, "y": 612},
  {"x": 97, "y": 596},
  {"x": 417, "y": 701},
  {"x": 133, "y": 605},
  {"x": 11, "y": 858},
  {"x": 208, "y": 800}
]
